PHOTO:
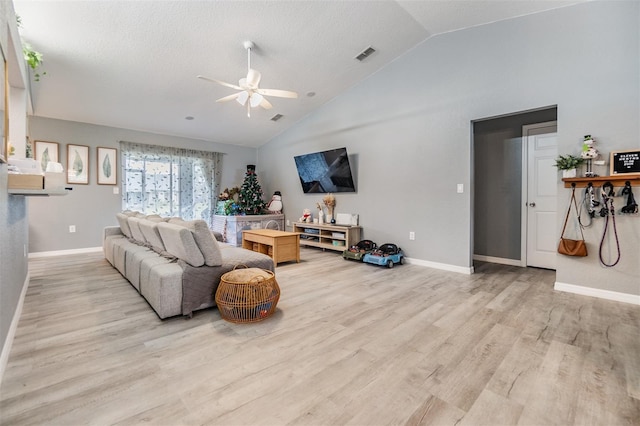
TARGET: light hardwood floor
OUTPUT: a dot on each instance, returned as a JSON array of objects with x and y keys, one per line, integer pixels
[{"x": 350, "y": 343}]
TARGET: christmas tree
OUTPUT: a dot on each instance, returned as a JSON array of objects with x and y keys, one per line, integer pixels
[{"x": 250, "y": 197}]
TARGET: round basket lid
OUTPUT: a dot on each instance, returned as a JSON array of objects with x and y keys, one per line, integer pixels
[{"x": 245, "y": 275}]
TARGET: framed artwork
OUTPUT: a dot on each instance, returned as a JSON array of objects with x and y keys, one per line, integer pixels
[
  {"x": 78, "y": 164},
  {"x": 45, "y": 152},
  {"x": 107, "y": 166}
]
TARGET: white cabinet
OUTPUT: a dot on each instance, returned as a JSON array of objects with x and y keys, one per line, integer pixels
[{"x": 231, "y": 227}]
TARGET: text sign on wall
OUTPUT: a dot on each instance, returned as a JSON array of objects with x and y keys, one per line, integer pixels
[{"x": 625, "y": 162}]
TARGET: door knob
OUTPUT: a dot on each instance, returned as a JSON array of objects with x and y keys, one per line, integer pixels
[{"x": 532, "y": 204}]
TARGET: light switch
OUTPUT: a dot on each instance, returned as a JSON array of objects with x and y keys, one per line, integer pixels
[
  {"x": 116, "y": 190},
  {"x": 460, "y": 188}
]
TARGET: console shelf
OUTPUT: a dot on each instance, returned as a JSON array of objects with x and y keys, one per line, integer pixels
[
  {"x": 38, "y": 192},
  {"x": 330, "y": 237}
]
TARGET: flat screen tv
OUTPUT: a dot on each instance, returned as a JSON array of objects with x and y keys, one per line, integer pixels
[{"x": 326, "y": 171}]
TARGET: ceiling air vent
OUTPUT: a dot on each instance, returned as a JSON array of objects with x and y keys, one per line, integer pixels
[
  {"x": 365, "y": 53},
  {"x": 276, "y": 117}
]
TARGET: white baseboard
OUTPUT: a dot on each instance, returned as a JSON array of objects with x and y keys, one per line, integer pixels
[
  {"x": 500, "y": 260},
  {"x": 443, "y": 266},
  {"x": 63, "y": 252},
  {"x": 8, "y": 342},
  {"x": 634, "y": 299}
]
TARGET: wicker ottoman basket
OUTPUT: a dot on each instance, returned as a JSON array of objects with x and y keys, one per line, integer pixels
[{"x": 247, "y": 295}]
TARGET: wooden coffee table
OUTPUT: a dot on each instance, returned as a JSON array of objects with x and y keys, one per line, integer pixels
[{"x": 281, "y": 246}]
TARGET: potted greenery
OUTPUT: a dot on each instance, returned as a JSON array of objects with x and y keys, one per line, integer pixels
[{"x": 568, "y": 164}]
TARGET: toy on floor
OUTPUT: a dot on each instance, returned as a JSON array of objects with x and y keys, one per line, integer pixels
[
  {"x": 386, "y": 255},
  {"x": 357, "y": 252}
]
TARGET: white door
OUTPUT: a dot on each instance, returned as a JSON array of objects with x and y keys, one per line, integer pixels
[{"x": 540, "y": 241}]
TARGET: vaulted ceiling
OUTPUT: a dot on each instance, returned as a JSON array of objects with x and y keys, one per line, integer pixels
[{"x": 133, "y": 64}]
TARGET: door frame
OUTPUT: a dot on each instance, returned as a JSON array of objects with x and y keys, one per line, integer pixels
[{"x": 525, "y": 187}]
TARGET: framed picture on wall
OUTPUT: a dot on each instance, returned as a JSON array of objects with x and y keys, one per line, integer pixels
[
  {"x": 78, "y": 164},
  {"x": 45, "y": 152},
  {"x": 107, "y": 166}
]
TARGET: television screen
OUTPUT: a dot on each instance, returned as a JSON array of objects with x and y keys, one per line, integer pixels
[{"x": 327, "y": 171}]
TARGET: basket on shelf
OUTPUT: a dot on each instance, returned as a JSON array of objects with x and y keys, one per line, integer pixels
[{"x": 247, "y": 295}]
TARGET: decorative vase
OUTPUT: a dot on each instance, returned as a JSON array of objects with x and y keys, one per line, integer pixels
[
  {"x": 329, "y": 218},
  {"x": 321, "y": 217},
  {"x": 571, "y": 173}
]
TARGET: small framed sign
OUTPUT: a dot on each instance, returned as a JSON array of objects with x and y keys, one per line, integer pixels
[{"x": 625, "y": 162}]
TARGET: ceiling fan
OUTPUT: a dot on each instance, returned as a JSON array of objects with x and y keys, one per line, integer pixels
[{"x": 250, "y": 94}]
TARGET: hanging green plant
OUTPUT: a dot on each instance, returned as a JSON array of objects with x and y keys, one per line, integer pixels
[{"x": 34, "y": 60}]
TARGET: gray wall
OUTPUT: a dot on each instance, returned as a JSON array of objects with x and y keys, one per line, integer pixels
[
  {"x": 497, "y": 181},
  {"x": 92, "y": 207},
  {"x": 408, "y": 128}
]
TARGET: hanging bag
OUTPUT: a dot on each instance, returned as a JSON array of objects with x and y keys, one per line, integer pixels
[{"x": 572, "y": 247}]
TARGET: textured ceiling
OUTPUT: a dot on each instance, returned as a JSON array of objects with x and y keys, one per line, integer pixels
[{"x": 133, "y": 64}]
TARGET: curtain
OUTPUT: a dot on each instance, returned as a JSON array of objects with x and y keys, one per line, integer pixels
[{"x": 170, "y": 181}]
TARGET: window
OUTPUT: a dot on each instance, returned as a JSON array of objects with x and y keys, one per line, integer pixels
[{"x": 169, "y": 181}]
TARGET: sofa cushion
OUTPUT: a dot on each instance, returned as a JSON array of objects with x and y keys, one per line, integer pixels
[
  {"x": 136, "y": 233},
  {"x": 151, "y": 234},
  {"x": 124, "y": 224},
  {"x": 204, "y": 238},
  {"x": 179, "y": 242},
  {"x": 155, "y": 218}
]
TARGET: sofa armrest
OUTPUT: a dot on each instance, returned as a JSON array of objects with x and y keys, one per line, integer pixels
[{"x": 111, "y": 230}]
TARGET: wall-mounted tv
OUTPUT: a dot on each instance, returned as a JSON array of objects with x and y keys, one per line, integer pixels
[{"x": 326, "y": 171}]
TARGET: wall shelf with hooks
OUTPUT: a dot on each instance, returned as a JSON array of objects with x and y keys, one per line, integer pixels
[{"x": 582, "y": 182}]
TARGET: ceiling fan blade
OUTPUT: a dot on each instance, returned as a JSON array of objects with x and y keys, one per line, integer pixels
[
  {"x": 229, "y": 98},
  {"x": 253, "y": 78},
  {"x": 213, "y": 80},
  {"x": 265, "y": 103},
  {"x": 277, "y": 93}
]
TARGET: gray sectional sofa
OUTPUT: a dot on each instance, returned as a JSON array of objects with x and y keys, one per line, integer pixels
[{"x": 175, "y": 265}]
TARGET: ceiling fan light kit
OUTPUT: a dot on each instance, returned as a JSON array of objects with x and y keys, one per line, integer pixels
[{"x": 251, "y": 95}]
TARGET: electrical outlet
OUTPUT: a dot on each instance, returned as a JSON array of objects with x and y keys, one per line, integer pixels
[
  {"x": 288, "y": 222},
  {"x": 116, "y": 190},
  {"x": 72, "y": 228},
  {"x": 412, "y": 235}
]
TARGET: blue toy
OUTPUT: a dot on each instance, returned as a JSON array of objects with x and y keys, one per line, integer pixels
[{"x": 386, "y": 255}]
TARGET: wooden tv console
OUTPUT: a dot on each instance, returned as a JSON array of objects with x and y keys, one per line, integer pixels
[{"x": 327, "y": 236}]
